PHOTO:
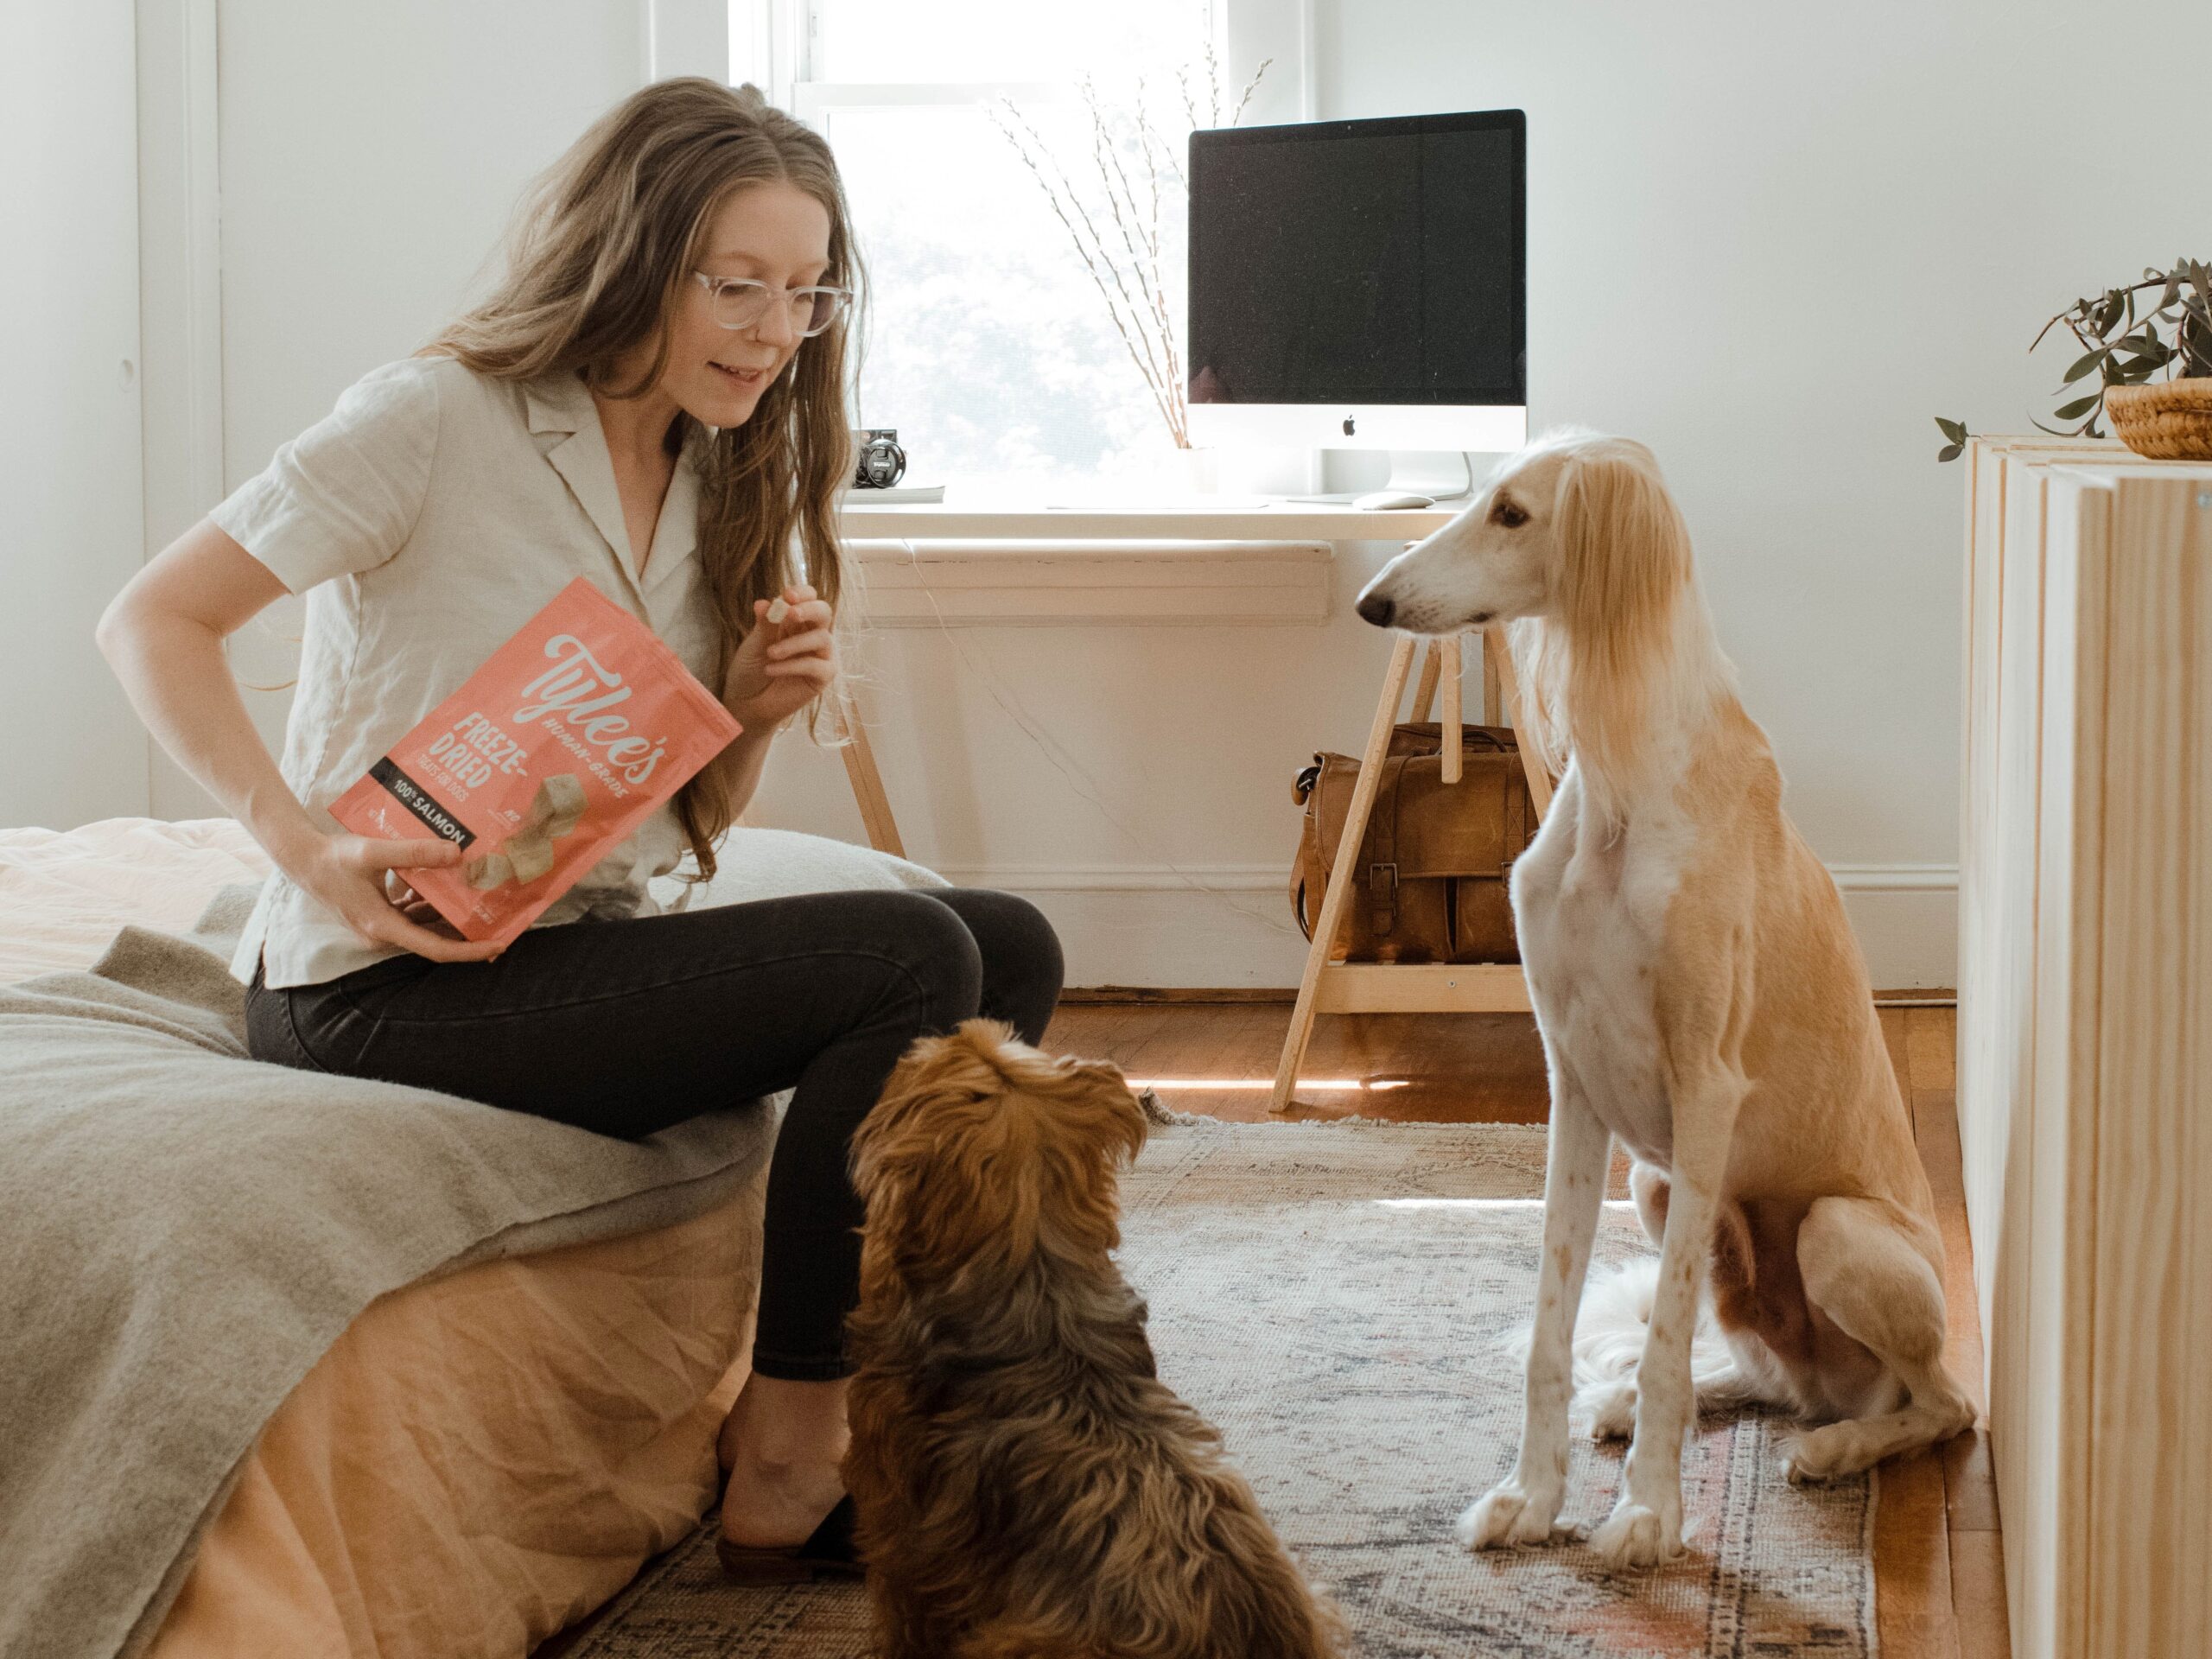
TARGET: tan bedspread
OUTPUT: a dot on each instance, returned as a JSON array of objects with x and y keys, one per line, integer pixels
[
  {"x": 185, "y": 1232},
  {"x": 484, "y": 1458}
]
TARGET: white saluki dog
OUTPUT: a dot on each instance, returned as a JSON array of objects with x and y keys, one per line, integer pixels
[{"x": 1700, "y": 996}]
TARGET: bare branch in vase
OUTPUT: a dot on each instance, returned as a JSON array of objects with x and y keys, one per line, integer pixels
[{"x": 1118, "y": 237}]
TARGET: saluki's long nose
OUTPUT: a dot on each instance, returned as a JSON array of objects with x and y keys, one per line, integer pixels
[{"x": 1377, "y": 609}]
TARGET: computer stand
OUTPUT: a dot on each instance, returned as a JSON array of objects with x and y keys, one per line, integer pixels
[{"x": 1414, "y": 472}]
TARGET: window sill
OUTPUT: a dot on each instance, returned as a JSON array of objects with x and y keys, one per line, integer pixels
[
  {"x": 1215, "y": 519},
  {"x": 1014, "y": 582}
]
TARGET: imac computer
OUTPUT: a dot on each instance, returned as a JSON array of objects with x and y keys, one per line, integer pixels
[{"x": 1363, "y": 285}]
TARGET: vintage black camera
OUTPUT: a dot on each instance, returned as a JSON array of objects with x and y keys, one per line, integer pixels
[{"x": 882, "y": 463}]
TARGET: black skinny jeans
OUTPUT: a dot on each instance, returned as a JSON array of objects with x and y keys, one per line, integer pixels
[{"x": 624, "y": 1027}]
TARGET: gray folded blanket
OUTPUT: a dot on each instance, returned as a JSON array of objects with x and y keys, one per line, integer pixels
[{"x": 184, "y": 1231}]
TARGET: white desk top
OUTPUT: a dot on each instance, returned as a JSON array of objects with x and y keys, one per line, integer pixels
[{"x": 1200, "y": 518}]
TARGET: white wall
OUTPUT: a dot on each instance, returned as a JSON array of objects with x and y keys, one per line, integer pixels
[
  {"x": 1774, "y": 241},
  {"x": 1153, "y": 821},
  {"x": 1771, "y": 241},
  {"x": 370, "y": 158},
  {"x": 70, "y": 748}
]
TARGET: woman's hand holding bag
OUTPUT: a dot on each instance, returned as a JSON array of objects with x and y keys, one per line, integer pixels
[{"x": 349, "y": 872}]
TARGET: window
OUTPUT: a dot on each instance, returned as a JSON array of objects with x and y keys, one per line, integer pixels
[{"x": 988, "y": 344}]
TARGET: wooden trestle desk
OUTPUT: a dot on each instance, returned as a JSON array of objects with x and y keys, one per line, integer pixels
[{"x": 888, "y": 538}]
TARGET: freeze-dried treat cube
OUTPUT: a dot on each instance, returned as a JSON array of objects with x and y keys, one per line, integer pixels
[
  {"x": 492, "y": 870},
  {"x": 532, "y": 855},
  {"x": 557, "y": 808}
]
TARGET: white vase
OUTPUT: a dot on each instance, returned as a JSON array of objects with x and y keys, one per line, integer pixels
[{"x": 1189, "y": 471}]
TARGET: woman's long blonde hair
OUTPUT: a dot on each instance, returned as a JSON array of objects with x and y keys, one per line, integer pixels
[{"x": 601, "y": 252}]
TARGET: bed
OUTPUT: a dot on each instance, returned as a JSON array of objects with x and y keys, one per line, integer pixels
[{"x": 482, "y": 1454}]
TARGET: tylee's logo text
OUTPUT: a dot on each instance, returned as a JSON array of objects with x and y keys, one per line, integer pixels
[{"x": 577, "y": 687}]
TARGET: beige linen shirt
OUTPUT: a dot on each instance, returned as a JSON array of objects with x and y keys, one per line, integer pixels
[{"x": 433, "y": 513}]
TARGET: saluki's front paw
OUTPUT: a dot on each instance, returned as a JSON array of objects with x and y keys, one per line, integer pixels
[
  {"x": 1612, "y": 1411},
  {"x": 1507, "y": 1514},
  {"x": 1635, "y": 1535}
]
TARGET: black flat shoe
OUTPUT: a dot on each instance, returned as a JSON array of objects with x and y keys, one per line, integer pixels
[{"x": 828, "y": 1553}]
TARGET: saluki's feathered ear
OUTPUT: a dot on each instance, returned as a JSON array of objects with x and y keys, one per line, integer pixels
[
  {"x": 1624, "y": 546},
  {"x": 1624, "y": 556}
]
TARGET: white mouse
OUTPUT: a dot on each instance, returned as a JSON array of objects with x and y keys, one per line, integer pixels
[{"x": 1387, "y": 500}]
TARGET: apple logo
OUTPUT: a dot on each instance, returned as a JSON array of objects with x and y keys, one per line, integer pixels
[{"x": 1348, "y": 426}]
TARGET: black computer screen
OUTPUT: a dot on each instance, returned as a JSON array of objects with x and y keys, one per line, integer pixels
[{"x": 1360, "y": 261}]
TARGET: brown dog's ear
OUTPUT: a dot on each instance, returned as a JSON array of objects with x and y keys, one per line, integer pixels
[
  {"x": 982, "y": 1147},
  {"x": 896, "y": 1142},
  {"x": 941, "y": 1163},
  {"x": 1096, "y": 1107}
]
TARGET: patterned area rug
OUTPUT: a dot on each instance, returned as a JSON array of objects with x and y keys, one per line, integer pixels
[{"x": 1338, "y": 1299}]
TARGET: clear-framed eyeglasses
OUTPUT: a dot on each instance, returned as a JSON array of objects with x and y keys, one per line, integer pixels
[{"x": 741, "y": 302}]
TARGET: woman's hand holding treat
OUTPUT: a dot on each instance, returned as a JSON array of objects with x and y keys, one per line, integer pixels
[{"x": 788, "y": 660}]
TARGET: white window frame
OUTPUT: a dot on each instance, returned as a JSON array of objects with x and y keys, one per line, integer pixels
[
  {"x": 773, "y": 42},
  {"x": 811, "y": 101}
]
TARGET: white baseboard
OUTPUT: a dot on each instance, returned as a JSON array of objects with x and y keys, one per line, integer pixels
[
  {"x": 1196, "y": 879},
  {"x": 1907, "y": 920},
  {"x": 1896, "y": 878},
  {"x": 1229, "y": 925}
]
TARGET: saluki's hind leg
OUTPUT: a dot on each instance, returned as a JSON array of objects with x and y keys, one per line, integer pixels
[{"x": 1864, "y": 1273}]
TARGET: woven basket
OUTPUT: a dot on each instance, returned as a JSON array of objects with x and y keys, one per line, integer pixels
[{"x": 2171, "y": 420}]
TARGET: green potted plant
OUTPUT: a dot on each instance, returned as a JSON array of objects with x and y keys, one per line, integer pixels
[{"x": 2152, "y": 365}]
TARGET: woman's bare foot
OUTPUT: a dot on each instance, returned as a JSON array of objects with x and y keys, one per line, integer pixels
[{"x": 780, "y": 1447}]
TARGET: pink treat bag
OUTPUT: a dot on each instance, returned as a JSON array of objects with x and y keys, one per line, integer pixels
[{"x": 552, "y": 752}]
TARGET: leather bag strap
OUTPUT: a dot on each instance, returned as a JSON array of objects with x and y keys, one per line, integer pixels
[
  {"x": 1383, "y": 846},
  {"x": 1307, "y": 872}
]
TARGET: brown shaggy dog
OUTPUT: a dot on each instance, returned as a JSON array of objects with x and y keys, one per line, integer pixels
[{"x": 1026, "y": 1486}]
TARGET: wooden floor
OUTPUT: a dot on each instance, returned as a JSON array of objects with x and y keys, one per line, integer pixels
[{"x": 1938, "y": 1562}]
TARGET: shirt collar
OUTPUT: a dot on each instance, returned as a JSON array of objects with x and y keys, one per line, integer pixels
[
  {"x": 558, "y": 402},
  {"x": 560, "y": 405}
]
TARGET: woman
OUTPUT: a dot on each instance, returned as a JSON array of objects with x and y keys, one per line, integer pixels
[{"x": 653, "y": 399}]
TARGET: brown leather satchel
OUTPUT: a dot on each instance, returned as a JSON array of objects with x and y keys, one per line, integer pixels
[{"x": 1431, "y": 878}]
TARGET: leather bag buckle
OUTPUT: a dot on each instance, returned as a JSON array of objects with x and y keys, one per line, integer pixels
[{"x": 1383, "y": 896}]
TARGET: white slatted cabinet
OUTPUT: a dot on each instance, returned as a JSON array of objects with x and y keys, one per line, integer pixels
[{"x": 2085, "y": 1033}]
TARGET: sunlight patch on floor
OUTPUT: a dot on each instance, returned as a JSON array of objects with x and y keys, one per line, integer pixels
[
  {"x": 1344, "y": 1085},
  {"x": 1482, "y": 1203}
]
